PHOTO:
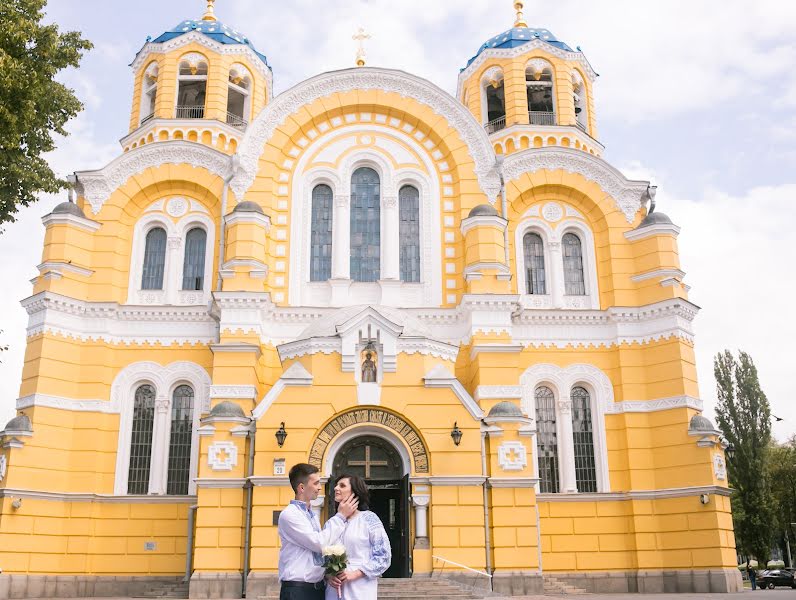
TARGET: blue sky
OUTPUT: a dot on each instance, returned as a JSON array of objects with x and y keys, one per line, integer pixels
[{"x": 699, "y": 97}]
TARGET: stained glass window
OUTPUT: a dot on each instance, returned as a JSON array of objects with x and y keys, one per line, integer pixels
[
  {"x": 583, "y": 437},
  {"x": 179, "y": 469},
  {"x": 321, "y": 234},
  {"x": 534, "y": 263},
  {"x": 574, "y": 284},
  {"x": 546, "y": 439},
  {"x": 365, "y": 225},
  {"x": 409, "y": 233},
  {"x": 193, "y": 266},
  {"x": 154, "y": 259},
  {"x": 141, "y": 440}
]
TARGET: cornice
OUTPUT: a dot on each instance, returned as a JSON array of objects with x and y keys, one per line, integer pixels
[
  {"x": 183, "y": 124},
  {"x": 91, "y": 497},
  {"x": 646, "y": 406},
  {"x": 572, "y": 131},
  {"x": 72, "y": 220},
  {"x": 513, "y": 482},
  {"x": 676, "y": 273},
  {"x": 628, "y": 195},
  {"x": 365, "y": 78},
  {"x": 483, "y": 221},
  {"x": 641, "y": 233},
  {"x": 456, "y": 480},
  {"x": 682, "y": 492},
  {"x": 59, "y": 266},
  {"x": 220, "y": 483},
  {"x": 248, "y": 217},
  {"x": 97, "y": 186}
]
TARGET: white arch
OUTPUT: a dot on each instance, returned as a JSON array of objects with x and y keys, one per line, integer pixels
[
  {"x": 367, "y": 78},
  {"x": 164, "y": 379},
  {"x": 354, "y": 432}
]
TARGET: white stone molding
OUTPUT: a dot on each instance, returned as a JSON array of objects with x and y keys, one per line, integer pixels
[
  {"x": 441, "y": 377},
  {"x": 248, "y": 217},
  {"x": 241, "y": 392},
  {"x": 164, "y": 379},
  {"x": 366, "y": 78},
  {"x": 483, "y": 221},
  {"x": 3, "y": 466},
  {"x": 97, "y": 186},
  {"x": 659, "y": 494},
  {"x": 645, "y": 406},
  {"x": 498, "y": 392},
  {"x": 66, "y": 497},
  {"x": 477, "y": 349},
  {"x": 222, "y": 456},
  {"x": 172, "y": 127},
  {"x": 513, "y": 482},
  {"x": 220, "y": 483},
  {"x": 673, "y": 273},
  {"x": 295, "y": 375},
  {"x": 55, "y": 266},
  {"x": 641, "y": 233},
  {"x": 456, "y": 480},
  {"x": 552, "y": 211},
  {"x": 72, "y": 220},
  {"x": 628, "y": 196},
  {"x": 512, "y": 456},
  {"x": 353, "y": 432},
  {"x": 561, "y": 380}
]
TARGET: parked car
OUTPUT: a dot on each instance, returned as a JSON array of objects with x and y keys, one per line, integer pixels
[{"x": 775, "y": 578}]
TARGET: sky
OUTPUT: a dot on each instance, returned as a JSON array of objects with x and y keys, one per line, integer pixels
[{"x": 699, "y": 97}]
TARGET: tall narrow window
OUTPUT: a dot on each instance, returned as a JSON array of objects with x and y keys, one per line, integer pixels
[
  {"x": 141, "y": 440},
  {"x": 574, "y": 284},
  {"x": 179, "y": 470},
  {"x": 191, "y": 89},
  {"x": 154, "y": 259},
  {"x": 409, "y": 233},
  {"x": 579, "y": 100},
  {"x": 583, "y": 437},
  {"x": 539, "y": 89},
  {"x": 321, "y": 234},
  {"x": 149, "y": 92},
  {"x": 238, "y": 94},
  {"x": 365, "y": 225},
  {"x": 193, "y": 266},
  {"x": 495, "y": 106},
  {"x": 546, "y": 439},
  {"x": 534, "y": 264}
]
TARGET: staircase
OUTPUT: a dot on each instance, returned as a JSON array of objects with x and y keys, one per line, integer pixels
[
  {"x": 556, "y": 587},
  {"x": 166, "y": 589},
  {"x": 427, "y": 589}
]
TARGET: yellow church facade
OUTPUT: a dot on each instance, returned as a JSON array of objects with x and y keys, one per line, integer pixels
[{"x": 455, "y": 297}]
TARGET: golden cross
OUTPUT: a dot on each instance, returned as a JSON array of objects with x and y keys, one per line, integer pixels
[
  {"x": 520, "y": 20},
  {"x": 367, "y": 463},
  {"x": 209, "y": 12},
  {"x": 361, "y": 36}
]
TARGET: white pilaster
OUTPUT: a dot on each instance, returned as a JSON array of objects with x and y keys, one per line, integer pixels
[
  {"x": 421, "y": 520},
  {"x": 341, "y": 238},
  {"x": 161, "y": 428},
  {"x": 566, "y": 449},
  {"x": 556, "y": 274},
  {"x": 390, "y": 250}
]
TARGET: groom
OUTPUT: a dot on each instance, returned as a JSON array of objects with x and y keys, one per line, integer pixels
[{"x": 301, "y": 556}]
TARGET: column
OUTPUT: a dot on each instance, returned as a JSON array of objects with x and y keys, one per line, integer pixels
[
  {"x": 172, "y": 280},
  {"x": 390, "y": 243},
  {"x": 566, "y": 450},
  {"x": 161, "y": 428},
  {"x": 421, "y": 521},
  {"x": 556, "y": 275},
  {"x": 317, "y": 505},
  {"x": 341, "y": 238}
]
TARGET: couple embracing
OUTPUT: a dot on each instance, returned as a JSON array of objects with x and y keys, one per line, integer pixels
[{"x": 301, "y": 562}]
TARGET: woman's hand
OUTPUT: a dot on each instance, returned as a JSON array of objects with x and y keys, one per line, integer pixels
[
  {"x": 351, "y": 575},
  {"x": 336, "y": 582}
]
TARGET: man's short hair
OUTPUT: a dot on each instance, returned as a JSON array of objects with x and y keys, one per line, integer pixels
[{"x": 300, "y": 473}]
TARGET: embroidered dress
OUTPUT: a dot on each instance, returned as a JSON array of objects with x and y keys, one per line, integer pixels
[{"x": 368, "y": 549}]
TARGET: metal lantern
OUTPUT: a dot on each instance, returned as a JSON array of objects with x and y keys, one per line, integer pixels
[
  {"x": 456, "y": 434},
  {"x": 281, "y": 434}
]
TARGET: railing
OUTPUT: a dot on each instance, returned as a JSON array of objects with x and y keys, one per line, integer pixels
[
  {"x": 190, "y": 112},
  {"x": 476, "y": 574},
  {"x": 582, "y": 127},
  {"x": 149, "y": 117},
  {"x": 542, "y": 117},
  {"x": 496, "y": 124},
  {"x": 236, "y": 121}
]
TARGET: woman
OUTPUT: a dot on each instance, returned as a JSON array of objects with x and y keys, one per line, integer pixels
[{"x": 366, "y": 544}]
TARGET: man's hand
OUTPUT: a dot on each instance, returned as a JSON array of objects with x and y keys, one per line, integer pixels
[
  {"x": 350, "y": 575},
  {"x": 348, "y": 506}
]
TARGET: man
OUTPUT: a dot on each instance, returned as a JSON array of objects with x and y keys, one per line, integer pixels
[
  {"x": 752, "y": 574},
  {"x": 301, "y": 556}
]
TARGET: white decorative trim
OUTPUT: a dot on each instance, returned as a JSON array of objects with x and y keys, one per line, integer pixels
[
  {"x": 646, "y": 406},
  {"x": 222, "y": 456},
  {"x": 63, "y": 403},
  {"x": 98, "y": 186},
  {"x": 336, "y": 444},
  {"x": 719, "y": 467},
  {"x": 71, "y": 220},
  {"x": 248, "y": 217},
  {"x": 90, "y": 497},
  {"x": 241, "y": 347},
  {"x": 641, "y": 233},
  {"x": 220, "y": 483},
  {"x": 629, "y": 196},
  {"x": 185, "y": 126},
  {"x": 483, "y": 221},
  {"x": 664, "y": 493},
  {"x": 365, "y": 78},
  {"x": 241, "y": 392},
  {"x": 498, "y": 392},
  {"x": 477, "y": 349},
  {"x": 676, "y": 273},
  {"x": 295, "y": 375},
  {"x": 441, "y": 377},
  {"x": 59, "y": 267},
  {"x": 513, "y": 482},
  {"x": 268, "y": 481},
  {"x": 3, "y": 466},
  {"x": 512, "y": 456},
  {"x": 457, "y": 480}
]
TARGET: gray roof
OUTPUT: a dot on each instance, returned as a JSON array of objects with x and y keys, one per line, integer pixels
[
  {"x": 505, "y": 409},
  {"x": 700, "y": 423},
  {"x": 227, "y": 409},
  {"x": 655, "y": 218},
  {"x": 68, "y": 208},
  {"x": 248, "y": 206},
  {"x": 483, "y": 210},
  {"x": 19, "y": 423}
]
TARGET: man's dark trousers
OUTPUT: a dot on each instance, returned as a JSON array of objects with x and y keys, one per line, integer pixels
[{"x": 299, "y": 590}]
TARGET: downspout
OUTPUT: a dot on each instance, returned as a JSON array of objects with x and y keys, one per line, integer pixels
[
  {"x": 189, "y": 546},
  {"x": 487, "y": 523},
  {"x": 222, "y": 236},
  {"x": 247, "y": 532}
]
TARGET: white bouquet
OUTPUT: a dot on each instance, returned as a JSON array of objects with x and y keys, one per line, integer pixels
[{"x": 334, "y": 562}]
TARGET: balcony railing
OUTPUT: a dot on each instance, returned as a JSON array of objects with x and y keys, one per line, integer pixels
[
  {"x": 582, "y": 127},
  {"x": 149, "y": 117},
  {"x": 496, "y": 124},
  {"x": 236, "y": 121},
  {"x": 190, "y": 112},
  {"x": 542, "y": 117}
]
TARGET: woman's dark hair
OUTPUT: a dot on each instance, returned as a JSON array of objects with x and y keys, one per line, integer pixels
[{"x": 359, "y": 488}]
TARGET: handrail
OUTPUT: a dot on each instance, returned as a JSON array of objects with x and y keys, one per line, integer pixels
[
  {"x": 495, "y": 124},
  {"x": 445, "y": 560}
]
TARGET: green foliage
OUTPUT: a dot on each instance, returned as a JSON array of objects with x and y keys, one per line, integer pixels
[
  {"x": 782, "y": 468},
  {"x": 744, "y": 417},
  {"x": 33, "y": 105}
]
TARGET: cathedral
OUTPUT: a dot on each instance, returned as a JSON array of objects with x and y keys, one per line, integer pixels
[{"x": 456, "y": 298}]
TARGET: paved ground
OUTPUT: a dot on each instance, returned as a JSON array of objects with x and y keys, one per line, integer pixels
[{"x": 779, "y": 593}]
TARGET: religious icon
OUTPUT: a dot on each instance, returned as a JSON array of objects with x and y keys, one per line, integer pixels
[{"x": 368, "y": 369}]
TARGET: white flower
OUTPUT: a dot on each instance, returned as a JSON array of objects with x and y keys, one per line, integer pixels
[{"x": 334, "y": 550}]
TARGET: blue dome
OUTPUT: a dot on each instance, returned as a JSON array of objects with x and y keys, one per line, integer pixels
[
  {"x": 215, "y": 30},
  {"x": 517, "y": 36}
]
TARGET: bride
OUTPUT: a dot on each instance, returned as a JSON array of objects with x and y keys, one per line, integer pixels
[{"x": 366, "y": 545}]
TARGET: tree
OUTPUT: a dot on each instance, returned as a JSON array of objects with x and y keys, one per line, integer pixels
[
  {"x": 33, "y": 105},
  {"x": 744, "y": 417},
  {"x": 782, "y": 467}
]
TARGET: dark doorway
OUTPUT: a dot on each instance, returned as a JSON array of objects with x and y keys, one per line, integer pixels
[{"x": 378, "y": 462}]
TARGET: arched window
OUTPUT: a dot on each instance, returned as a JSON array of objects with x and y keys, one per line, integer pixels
[
  {"x": 579, "y": 98},
  {"x": 141, "y": 440},
  {"x": 179, "y": 469},
  {"x": 539, "y": 89},
  {"x": 583, "y": 439},
  {"x": 192, "y": 88},
  {"x": 321, "y": 234},
  {"x": 365, "y": 225},
  {"x": 546, "y": 439},
  {"x": 193, "y": 266},
  {"x": 149, "y": 92},
  {"x": 238, "y": 95},
  {"x": 154, "y": 259},
  {"x": 495, "y": 106},
  {"x": 534, "y": 264},
  {"x": 574, "y": 284},
  {"x": 409, "y": 233}
]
